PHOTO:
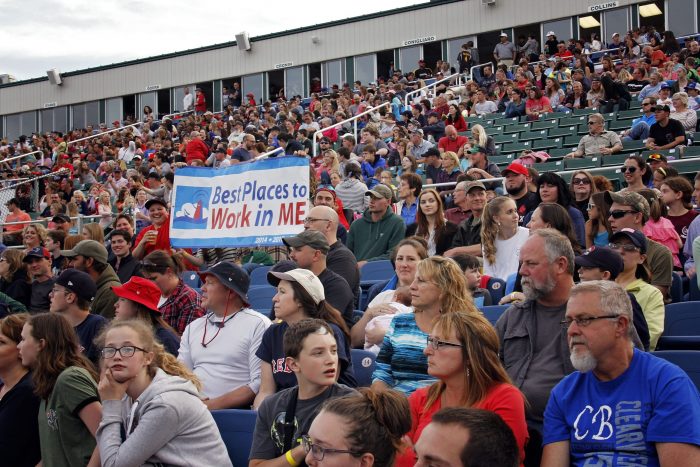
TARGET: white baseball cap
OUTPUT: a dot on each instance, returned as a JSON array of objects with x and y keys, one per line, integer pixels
[
  {"x": 551, "y": 33},
  {"x": 303, "y": 277}
]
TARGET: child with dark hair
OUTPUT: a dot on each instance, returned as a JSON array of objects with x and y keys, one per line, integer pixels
[
  {"x": 312, "y": 354},
  {"x": 471, "y": 267}
]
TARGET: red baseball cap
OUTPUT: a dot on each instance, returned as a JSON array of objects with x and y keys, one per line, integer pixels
[
  {"x": 516, "y": 169},
  {"x": 139, "y": 290}
]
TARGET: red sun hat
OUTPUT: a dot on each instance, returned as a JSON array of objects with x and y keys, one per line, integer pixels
[{"x": 139, "y": 290}]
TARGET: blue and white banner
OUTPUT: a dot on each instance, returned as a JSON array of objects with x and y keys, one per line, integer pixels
[{"x": 248, "y": 204}]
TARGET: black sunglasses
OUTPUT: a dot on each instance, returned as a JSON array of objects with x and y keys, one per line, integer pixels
[
  {"x": 620, "y": 213},
  {"x": 581, "y": 181},
  {"x": 628, "y": 169}
]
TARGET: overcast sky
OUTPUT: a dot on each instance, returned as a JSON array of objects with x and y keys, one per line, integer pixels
[{"x": 38, "y": 35}]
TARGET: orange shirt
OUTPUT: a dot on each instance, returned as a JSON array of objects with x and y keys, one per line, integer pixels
[{"x": 19, "y": 217}]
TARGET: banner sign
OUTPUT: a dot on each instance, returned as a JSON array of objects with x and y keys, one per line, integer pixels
[{"x": 245, "y": 205}]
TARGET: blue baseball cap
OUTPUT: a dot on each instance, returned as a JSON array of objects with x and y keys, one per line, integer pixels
[{"x": 604, "y": 258}]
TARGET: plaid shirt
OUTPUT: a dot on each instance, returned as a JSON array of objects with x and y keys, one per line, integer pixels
[{"x": 181, "y": 307}]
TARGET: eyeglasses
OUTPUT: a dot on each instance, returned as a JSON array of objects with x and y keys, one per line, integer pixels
[
  {"x": 54, "y": 291},
  {"x": 628, "y": 169},
  {"x": 593, "y": 122},
  {"x": 624, "y": 247},
  {"x": 319, "y": 452},
  {"x": 126, "y": 351},
  {"x": 434, "y": 343},
  {"x": 620, "y": 213},
  {"x": 2, "y": 260},
  {"x": 591, "y": 206},
  {"x": 646, "y": 103},
  {"x": 584, "y": 322},
  {"x": 581, "y": 181},
  {"x": 309, "y": 220}
]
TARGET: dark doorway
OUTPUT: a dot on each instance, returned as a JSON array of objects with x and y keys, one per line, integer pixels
[
  {"x": 275, "y": 81},
  {"x": 522, "y": 33},
  {"x": 314, "y": 72},
  {"x": 129, "y": 106},
  {"x": 208, "y": 90},
  {"x": 432, "y": 52},
  {"x": 487, "y": 42},
  {"x": 163, "y": 102},
  {"x": 385, "y": 60}
]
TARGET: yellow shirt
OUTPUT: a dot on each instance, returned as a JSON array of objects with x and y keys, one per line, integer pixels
[{"x": 652, "y": 303}]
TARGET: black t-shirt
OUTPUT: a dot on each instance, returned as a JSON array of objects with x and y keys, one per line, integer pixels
[
  {"x": 468, "y": 233},
  {"x": 87, "y": 331},
  {"x": 338, "y": 294},
  {"x": 271, "y": 351},
  {"x": 292, "y": 147},
  {"x": 169, "y": 339},
  {"x": 665, "y": 135},
  {"x": 432, "y": 172},
  {"x": 636, "y": 85},
  {"x": 342, "y": 261},
  {"x": 39, "y": 301},
  {"x": 526, "y": 205},
  {"x": 19, "y": 425},
  {"x": 128, "y": 267}
]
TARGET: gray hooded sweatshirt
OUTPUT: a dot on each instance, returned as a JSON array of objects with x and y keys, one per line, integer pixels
[{"x": 167, "y": 425}]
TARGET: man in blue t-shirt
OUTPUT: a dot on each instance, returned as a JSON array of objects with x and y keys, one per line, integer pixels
[{"x": 623, "y": 406}]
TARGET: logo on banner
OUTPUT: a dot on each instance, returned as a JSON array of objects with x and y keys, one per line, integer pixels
[{"x": 192, "y": 207}]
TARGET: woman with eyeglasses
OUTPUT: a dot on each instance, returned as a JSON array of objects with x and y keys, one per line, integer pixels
[
  {"x": 582, "y": 187},
  {"x": 636, "y": 277},
  {"x": 152, "y": 412},
  {"x": 65, "y": 381},
  {"x": 462, "y": 352},
  {"x": 439, "y": 288},
  {"x": 364, "y": 429},
  {"x": 636, "y": 172},
  {"x": 598, "y": 227}
]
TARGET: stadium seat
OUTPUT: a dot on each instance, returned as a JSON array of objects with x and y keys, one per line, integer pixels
[
  {"x": 496, "y": 288},
  {"x": 493, "y": 312},
  {"x": 561, "y": 131},
  {"x": 192, "y": 279},
  {"x": 236, "y": 428},
  {"x": 376, "y": 271},
  {"x": 687, "y": 166},
  {"x": 260, "y": 297},
  {"x": 582, "y": 163},
  {"x": 555, "y": 166},
  {"x": 545, "y": 144},
  {"x": 614, "y": 159},
  {"x": 507, "y": 138},
  {"x": 259, "y": 276},
  {"x": 510, "y": 283},
  {"x": 681, "y": 327},
  {"x": 363, "y": 364},
  {"x": 532, "y": 135},
  {"x": 676, "y": 288},
  {"x": 687, "y": 360}
]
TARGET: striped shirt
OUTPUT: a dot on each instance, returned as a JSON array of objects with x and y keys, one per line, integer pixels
[{"x": 401, "y": 363}]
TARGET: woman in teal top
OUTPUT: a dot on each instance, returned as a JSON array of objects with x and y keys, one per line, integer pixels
[
  {"x": 439, "y": 287},
  {"x": 597, "y": 227}
]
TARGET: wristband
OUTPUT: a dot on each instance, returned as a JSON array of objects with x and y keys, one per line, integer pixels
[{"x": 290, "y": 459}]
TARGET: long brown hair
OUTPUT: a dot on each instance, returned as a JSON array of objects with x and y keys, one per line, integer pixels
[
  {"x": 141, "y": 312},
  {"x": 161, "y": 358},
  {"x": 323, "y": 310},
  {"x": 479, "y": 352},
  {"x": 15, "y": 261},
  {"x": 61, "y": 350},
  {"x": 598, "y": 199},
  {"x": 422, "y": 221},
  {"x": 489, "y": 228}
]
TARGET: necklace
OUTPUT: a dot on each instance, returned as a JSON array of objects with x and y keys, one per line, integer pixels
[{"x": 218, "y": 324}]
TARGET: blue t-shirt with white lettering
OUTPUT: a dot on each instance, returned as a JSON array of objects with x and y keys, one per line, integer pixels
[{"x": 615, "y": 423}]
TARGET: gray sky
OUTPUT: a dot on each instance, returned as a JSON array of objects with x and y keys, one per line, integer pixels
[{"x": 38, "y": 35}]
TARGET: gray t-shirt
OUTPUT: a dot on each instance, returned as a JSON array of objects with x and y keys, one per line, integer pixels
[
  {"x": 545, "y": 370},
  {"x": 268, "y": 439}
]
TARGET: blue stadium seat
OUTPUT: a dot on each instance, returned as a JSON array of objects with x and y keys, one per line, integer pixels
[
  {"x": 376, "y": 271},
  {"x": 363, "y": 364},
  {"x": 687, "y": 360},
  {"x": 496, "y": 288},
  {"x": 192, "y": 279},
  {"x": 259, "y": 275},
  {"x": 236, "y": 428},
  {"x": 681, "y": 327},
  {"x": 357, "y": 315},
  {"x": 493, "y": 312},
  {"x": 260, "y": 297}
]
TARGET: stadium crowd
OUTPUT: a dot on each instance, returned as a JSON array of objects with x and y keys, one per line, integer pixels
[{"x": 107, "y": 356}]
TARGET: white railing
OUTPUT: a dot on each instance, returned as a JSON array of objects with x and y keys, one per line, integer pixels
[
  {"x": 319, "y": 134},
  {"x": 102, "y": 133},
  {"x": 268, "y": 154},
  {"x": 175, "y": 114},
  {"x": 427, "y": 88},
  {"x": 20, "y": 156}
]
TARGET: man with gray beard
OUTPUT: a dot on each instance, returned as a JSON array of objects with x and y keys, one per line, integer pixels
[
  {"x": 623, "y": 406},
  {"x": 534, "y": 350}
]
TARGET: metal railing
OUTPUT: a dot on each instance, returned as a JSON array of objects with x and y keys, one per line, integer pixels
[
  {"x": 175, "y": 114},
  {"x": 478, "y": 67},
  {"x": 319, "y": 134},
  {"x": 103, "y": 133},
  {"x": 20, "y": 156},
  {"x": 268, "y": 154},
  {"x": 427, "y": 88}
]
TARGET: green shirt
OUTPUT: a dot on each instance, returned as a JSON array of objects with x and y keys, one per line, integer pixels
[{"x": 65, "y": 440}]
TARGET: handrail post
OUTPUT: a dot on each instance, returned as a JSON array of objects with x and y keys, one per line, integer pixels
[
  {"x": 427, "y": 87},
  {"x": 79, "y": 223}
]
